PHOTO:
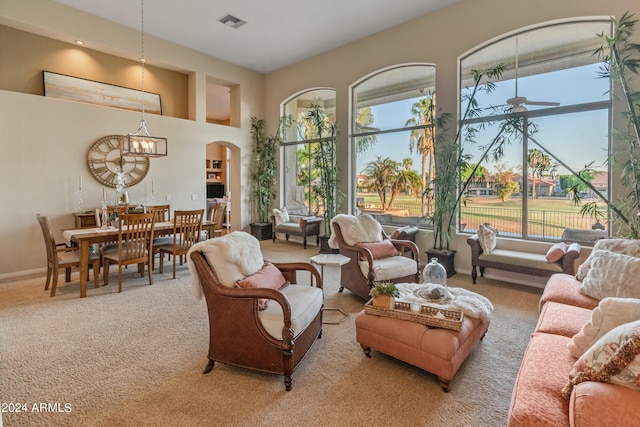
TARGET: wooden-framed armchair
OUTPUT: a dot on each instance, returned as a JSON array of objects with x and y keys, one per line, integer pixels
[
  {"x": 263, "y": 319},
  {"x": 375, "y": 258}
]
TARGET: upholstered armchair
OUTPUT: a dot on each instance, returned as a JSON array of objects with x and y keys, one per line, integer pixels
[
  {"x": 374, "y": 256},
  {"x": 259, "y": 317}
]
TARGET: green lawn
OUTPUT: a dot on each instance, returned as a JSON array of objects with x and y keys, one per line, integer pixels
[{"x": 547, "y": 216}]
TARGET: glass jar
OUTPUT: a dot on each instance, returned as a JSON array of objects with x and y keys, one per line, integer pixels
[{"x": 434, "y": 273}]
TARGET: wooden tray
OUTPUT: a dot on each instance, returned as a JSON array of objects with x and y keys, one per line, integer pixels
[{"x": 430, "y": 316}]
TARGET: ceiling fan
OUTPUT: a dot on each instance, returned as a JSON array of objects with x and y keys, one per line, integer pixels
[{"x": 518, "y": 102}]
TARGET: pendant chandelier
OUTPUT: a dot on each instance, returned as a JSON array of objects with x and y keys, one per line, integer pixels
[{"x": 141, "y": 143}]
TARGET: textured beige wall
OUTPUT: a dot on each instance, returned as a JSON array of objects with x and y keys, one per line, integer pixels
[{"x": 44, "y": 141}]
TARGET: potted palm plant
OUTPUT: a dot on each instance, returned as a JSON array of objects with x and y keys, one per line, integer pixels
[
  {"x": 265, "y": 169},
  {"x": 454, "y": 173},
  {"x": 323, "y": 132}
]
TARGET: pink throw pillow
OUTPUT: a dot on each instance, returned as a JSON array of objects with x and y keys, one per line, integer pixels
[
  {"x": 380, "y": 250},
  {"x": 267, "y": 277},
  {"x": 556, "y": 252}
]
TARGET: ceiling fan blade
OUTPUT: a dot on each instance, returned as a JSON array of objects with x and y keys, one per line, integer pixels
[
  {"x": 517, "y": 100},
  {"x": 550, "y": 104}
]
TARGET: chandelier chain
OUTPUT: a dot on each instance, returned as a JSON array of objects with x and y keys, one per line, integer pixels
[{"x": 142, "y": 58}]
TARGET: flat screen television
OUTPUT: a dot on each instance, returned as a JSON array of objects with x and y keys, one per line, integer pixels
[{"x": 215, "y": 190}]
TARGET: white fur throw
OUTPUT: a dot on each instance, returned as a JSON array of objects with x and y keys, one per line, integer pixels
[
  {"x": 470, "y": 303},
  {"x": 356, "y": 229},
  {"x": 233, "y": 256},
  {"x": 612, "y": 275}
]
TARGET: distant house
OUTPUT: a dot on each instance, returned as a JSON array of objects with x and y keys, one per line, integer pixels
[{"x": 601, "y": 183}]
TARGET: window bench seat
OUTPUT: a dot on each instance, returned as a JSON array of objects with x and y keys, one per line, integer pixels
[
  {"x": 519, "y": 261},
  {"x": 298, "y": 226}
]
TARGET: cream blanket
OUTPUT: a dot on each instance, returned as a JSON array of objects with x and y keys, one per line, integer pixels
[
  {"x": 234, "y": 256},
  {"x": 470, "y": 303},
  {"x": 356, "y": 229}
]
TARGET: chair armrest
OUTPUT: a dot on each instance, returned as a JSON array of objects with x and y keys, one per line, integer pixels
[
  {"x": 61, "y": 247},
  {"x": 476, "y": 249},
  {"x": 403, "y": 245},
  {"x": 569, "y": 257},
  {"x": 289, "y": 270}
]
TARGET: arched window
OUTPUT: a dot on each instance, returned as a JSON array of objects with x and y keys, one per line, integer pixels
[
  {"x": 392, "y": 117},
  {"x": 551, "y": 85},
  {"x": 301, "y": 169}
]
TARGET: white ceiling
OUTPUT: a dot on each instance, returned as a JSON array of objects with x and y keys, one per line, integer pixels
[{"x": 277, "y": 33}]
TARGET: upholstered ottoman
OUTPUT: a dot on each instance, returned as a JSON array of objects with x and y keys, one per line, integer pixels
[{"x": 436, "y": 350}]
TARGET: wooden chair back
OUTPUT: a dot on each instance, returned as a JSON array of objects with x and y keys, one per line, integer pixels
[
  {"x": 187, "y": 226},
  {"x": 136, "y": 237},
  {"x": 135, "y": 245},
  {"x": 217, "y": 219},
  {"x": 162, "y": 212}
]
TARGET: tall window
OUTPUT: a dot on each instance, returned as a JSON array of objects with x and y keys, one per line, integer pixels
[
  {"x": 392, "y": 117},
  {"x": 302, "y": 169},
  {"x": 551, "y": 85}
]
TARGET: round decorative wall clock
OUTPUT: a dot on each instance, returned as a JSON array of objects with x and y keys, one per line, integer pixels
[{"x": 106, "y": 159}]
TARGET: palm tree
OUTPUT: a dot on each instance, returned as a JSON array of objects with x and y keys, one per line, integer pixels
[
  {"x": 539, "y": 163},
  {"x": 381, "y": 173},
  {"x": 423, "y": 141}
]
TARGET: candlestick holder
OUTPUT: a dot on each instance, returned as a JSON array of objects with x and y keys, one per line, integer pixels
[{"x": 104, "y": 225}]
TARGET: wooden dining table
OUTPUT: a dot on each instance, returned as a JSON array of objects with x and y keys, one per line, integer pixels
[{"x": 85, "y": 237}]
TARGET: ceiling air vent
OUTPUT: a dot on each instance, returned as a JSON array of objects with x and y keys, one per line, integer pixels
[{"x": 232, "y": 21}]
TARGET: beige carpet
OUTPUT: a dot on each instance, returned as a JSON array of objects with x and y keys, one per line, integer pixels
[{"x": 136, "y": 358}]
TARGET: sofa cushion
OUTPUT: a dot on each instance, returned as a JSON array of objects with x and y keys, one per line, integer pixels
[
  {"x": 623, "y": 246},
  {"x": 305, "y": 302},
  {"x": 390, "y": 268},
  {"x": 487, "y": 238},
  {"x": 381, "y": 249},
  {"x": 523, "y": 259},
  {"x": 610, "y": 313},
  {"x": 281, "y": 215},
  {"x": 612, "y": 275},
  {"x": 563, "y": 288},
  {"x": 614, "y": 358},
  {"x": 562, "y": 319},
  {"x": 269, "y": 276},
  {"x": 537, "y": 399},
  {"x": 591, "y": 405},
  {"x": 556, "y": 252}
]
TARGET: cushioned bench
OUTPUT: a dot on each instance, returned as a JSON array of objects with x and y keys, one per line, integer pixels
[
  {"x": 519, "y": 261},
  {"x": 298, "y": 226}
]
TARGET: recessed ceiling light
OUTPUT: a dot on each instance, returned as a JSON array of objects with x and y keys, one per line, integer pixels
[
  {"x": 232, "y": 21},
  {"x": 79, "y": 42}
]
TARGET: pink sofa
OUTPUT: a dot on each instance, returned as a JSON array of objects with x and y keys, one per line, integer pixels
[{"x": 537, "y": 395}]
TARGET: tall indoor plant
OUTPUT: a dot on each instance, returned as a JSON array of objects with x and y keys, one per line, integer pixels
[
  {"x": 265, "y": 170},
  {"x": 449, "y": 183},
  {"x": 622, "y": 64},
  {"x": 323, "y": 133}
]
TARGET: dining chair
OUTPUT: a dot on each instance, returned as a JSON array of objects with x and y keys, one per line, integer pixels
[
  {"x": 61, "y": 256},
  {"x": 217, "y": 219},
  {"x": 187, "y": 227},
  {"x": 135, "y": 245},
  {"x": 162, "y": 211}
]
